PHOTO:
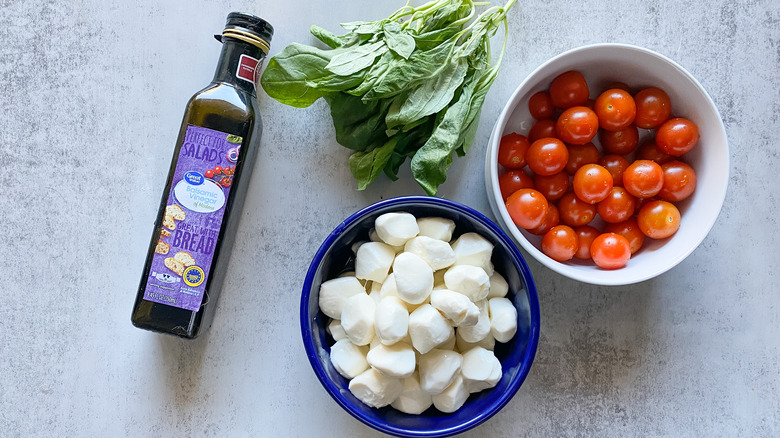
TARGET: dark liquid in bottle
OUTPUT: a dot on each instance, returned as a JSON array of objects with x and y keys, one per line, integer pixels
[{"x": 205, "y": 190}]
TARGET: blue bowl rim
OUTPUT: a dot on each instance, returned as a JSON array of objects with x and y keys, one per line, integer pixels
[{"x": 333, "y": 390}]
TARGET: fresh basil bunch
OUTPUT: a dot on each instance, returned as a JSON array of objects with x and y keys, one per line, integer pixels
[{"x": 408, "y": 86}]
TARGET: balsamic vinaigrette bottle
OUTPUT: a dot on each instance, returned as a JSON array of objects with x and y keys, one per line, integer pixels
[{"x": 204, "y": 194}]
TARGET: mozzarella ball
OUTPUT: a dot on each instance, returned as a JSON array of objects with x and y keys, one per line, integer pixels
[
  {"x": 333, "y": 294},
  {"x": 452, "y": 398},
  {"x": 477, "y": 332},
  {"x": 455, "y": 306},
  {"x": 391, "y": 320},
  {"x": 413, "y": 278},
  {"x": 413, "y": 400},
  {"x": 357, "y": 318},
  {"x": 373, "y": 261},
  {"x": 498, "y": 286},
  {"x": 438, "y": 369},
  {"x": 395, "y": 360},
  {"x": 503, "y": 319},
  {"x": 396, "y": 228},
  {"x": 436, "y": 228},
  {"x": 436, "y": 253},
  {"x": 471, "y": 281},
  {"x": 348, "y": 358},
  {"x": 480, "y": 370},
  {"x": 374, "y": 389},
  {"x": 336, "y": 330},
  {"x": 428, "y": 328},
  {"x": 473, "y": 249}
]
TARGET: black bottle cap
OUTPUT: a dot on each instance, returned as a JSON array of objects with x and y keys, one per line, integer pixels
[{"x": 251, "y": 23}]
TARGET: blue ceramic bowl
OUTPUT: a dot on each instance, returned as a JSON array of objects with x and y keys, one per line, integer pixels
[{"x": 516, "y": 356}]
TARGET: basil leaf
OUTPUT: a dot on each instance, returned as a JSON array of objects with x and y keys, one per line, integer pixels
[
  {"x": 333, "y": 41},
  {"x": 355, "y": 59},
  {"x": 429, "y": 97},
  {"x": 430, "y": 163},
  {"x": 358, "y": 125},
  {"x": 429, "y": 40},
  {"x": 363, "y": 27},
  {"x": 393, "y": 165},
  {"x": 397, "y": 40},
  {"x": 366, "y": 166}
]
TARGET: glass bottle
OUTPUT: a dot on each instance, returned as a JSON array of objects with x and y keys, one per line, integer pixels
[{"x": 205, "y": 190}]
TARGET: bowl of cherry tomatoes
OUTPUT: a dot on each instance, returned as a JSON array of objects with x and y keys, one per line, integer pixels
[{"x": 609, "y": 164}]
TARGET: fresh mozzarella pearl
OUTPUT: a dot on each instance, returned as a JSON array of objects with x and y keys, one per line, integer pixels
[
  {"x": 498, "y": 286},
  {"x": 336, "y": 330},
  {"x": 452, "y": 398},
  {"x": 480, "y": 370},
  {"x": 477, "y": 332},
  {"x": 436, "y": 228},
  {"x": 413, "y": 400},
  {"x": 436, "y": 253},
  {"x": 373, "y": 261},
  {"x": 473, "y": 249},
  {"x": 488, "y": 342},
  {"x": 455, "y": 306},
  {"x": 391, "y": 321},
  {"x": 348, "y": 359},
  {"x": 374, "y": 389},
  {"x": 395, "y": 360},
  {"x": 413, "y": 278},
  {"x": 471, "y": 281},
  {"x": 396, "y": 228},
  {"x": 357, "y": 318},
  {"x": 438, "y": 369},
  {"x": 503, "y": 319},
  {"x": 333, "y": 294},
  {"x": 428, "y": 328}
]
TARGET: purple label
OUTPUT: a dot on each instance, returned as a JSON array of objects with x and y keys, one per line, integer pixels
[{"x": 193, "y": 218}]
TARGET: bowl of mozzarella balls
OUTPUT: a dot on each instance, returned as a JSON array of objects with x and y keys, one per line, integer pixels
[{"x": 420, "y": 317}]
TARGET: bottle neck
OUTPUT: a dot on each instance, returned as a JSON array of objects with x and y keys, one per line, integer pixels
[{"x": 237, "y": 64}]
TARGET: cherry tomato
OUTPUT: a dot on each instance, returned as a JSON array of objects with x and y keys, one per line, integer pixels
[
  {"x": 620, "y": 142},
  {"x": 547, "y": 156},
  {"x": 585, "y": 236},
  {"x": 579, "y": 155},
  {"x": 649, "y": 151},
  {"x": 569, "y": 89},
  {"x": 511, "y": 151},
  {"x": 592, "y": 183},
  {"x": 542, "y": 129},
  {"x": 653, "y": 107},
  {"x": 643, "y": 178},
  {"x": 658, "y": 219},
  {"x": 620, "y": 86},
  {"x": 610, "y": 251},
  {"x": 616, "y": 165},
  {"x": 575, "y": 212},
  {"x": 513, "y": 181},
  {"x": 550, "y": 220},
  {"x": 229, "y": 170},
  {"x": 617, "y": 206},
  {"x": 209, "y": 174},
  {"x": 677, "y": 136},
  {"x": 577, "y": 125},
  {"x": 527, "y": 208},
  {"x": 629, "y": 229},
  {"x": 226, "y": 182},
  {"x": 541, "y": 106},
  {"x": 679, "y": 181},
  {"x": 615, "y": 109},
  {"x": 552, "y": 186},
  {"x": 218, "y": 170},
  {"x": 560, "y": 243}
]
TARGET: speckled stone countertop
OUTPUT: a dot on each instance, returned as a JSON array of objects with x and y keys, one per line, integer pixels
[{"x": 92, "y": 96}]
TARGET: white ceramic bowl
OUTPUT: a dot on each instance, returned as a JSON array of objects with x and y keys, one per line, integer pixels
[{"x": 602, "y": 64}]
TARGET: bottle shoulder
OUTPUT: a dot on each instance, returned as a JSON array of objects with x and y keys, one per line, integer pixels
[{"x": 220, "y": 106}]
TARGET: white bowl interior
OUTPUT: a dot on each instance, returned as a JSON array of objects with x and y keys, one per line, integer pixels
[{"x": 602, "y": 64}]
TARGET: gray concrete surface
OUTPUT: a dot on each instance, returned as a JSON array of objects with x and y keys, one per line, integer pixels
[{"x": 92, "y": 94}]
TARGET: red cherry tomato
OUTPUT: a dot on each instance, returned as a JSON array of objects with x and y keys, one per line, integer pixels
[
  {"x": 615, "y": 109},
  {"x": 575, "y": 212},
  {"x": 209, "y": 174},
  {"x": 527, "y": 208},
  {"x": 592, "y": 183},
  {"x": 579, "y": 155},
  {"x": 577, "y": 125},
  {"x": 552, "y": 186},
  {"x": 547, "y": 156},
  {"x": 218, "y": 170},
  {"x": 511, "y": 151},
  {"x": 513, "y": 181},
  {"x": 620, "y": 142},
  {"x": 653, "y": 107},
  {"x": 610, "y": 251},
  {"x": 228, "y": 170},
  {"x": 226, "y": 182},
  {"x": 649, "y": 151},
  {"x": 585, "y": 236},
  {"x": 617, "y": 206},
  {"x": 616, "y": 165},
  {"x": 643, "y": 178},
  {"x": 569, "y": 89},
  {"x": 620, "y": 86},
  {"x": 542, "y": 129},
  {"x": 677, "y": 136},
  {"x": 679, "y": 181},
  {"x": 658, "y": 219},
  {"x": 541, "y": 106},
  {"x": 560, "y": 243},
  {"x": 550, "y": 220},
  {"x": 629, "y": 229}
]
